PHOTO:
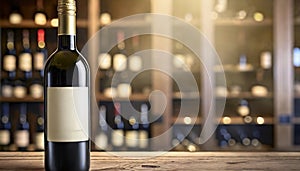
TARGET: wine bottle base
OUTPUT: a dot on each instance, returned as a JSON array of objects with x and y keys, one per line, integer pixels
[{"x": 67, "y": 156}]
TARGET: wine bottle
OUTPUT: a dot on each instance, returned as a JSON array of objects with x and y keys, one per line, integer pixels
[
  {"x": 117, "y": 134},
  {"x": 135, "y": 62},
  {"x": 120, "y": 66},
  {"x": 25, "y": 68},
  {"x": 120, "y": 59},
  {"x": 9, "y": 66},
  {"x": 40, "y": 17},
  {"x": 144, "y": 128},
  {"x": 25, "y": 57},
  {"x": 41, "y": 53},
  {"x": 244, "y": 139},
  {"x": 39, "y": 134},
  {"x": 101, "y": 139},
  {"x": 15, "y": 16},
  {"x": 132, "y": 133},
  {"x": 66, "y": 94},
  {"x": 243, "y": 108},
  {"x": 9, "y": 58},
  {"x": 39, "y": 57},
  {"x": 22, "y": 132},
  {"x": 5, "y": 126}
]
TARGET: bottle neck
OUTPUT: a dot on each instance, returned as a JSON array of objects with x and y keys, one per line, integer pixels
[
  {"x": 66, "y": 24},
  {"x": 67, "y": 42}
]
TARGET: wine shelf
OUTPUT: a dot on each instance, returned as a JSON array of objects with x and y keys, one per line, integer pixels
[
  {"x": 240, "y": 121},
  {"x": 187, "y": 120},
  {"x": 229, "y": 22},
  {"x": 21, "y": 100},
  {"x": 134, "y": 97},
  {"x": 246, "y": 95},
  {"x": 81, "y": 23}
]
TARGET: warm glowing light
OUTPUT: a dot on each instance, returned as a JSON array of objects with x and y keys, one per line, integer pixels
[
  {"x": 258, "y": 16},
  {"x": 132, "y": 120},
  {"x": 54, "y": 22},
  {"x": 105, "y": 18},
  {"x": 187, "y": 120},
  {"x": 191, "y": 148},
  {"x": 15, "y": 18},
  {"x": 226, "y": 120},
  {"x": 260, "y": 120},
  {"x": 241, "y": 15},
  {"x": 40, "y": 19}
]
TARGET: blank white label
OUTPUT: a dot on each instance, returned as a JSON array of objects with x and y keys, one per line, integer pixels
[
  {"x": 9, "y": 62},
  {"x": 67, "y": 114},
  {"x": 39, "y": 140},
  {"x": 4, "y": 137},
  {"x": 117, "y": 138},
  {"x": 39, "y": 61},
  {"x": 101, "y": 141},
  {"x": 25, "y": 62},
  {"x": 22, "y": 138},
  {"x": 132, "y": 138},
  {"x": 143, "y": 136}
]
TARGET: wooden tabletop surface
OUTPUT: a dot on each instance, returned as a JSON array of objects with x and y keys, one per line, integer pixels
[{"x": 272, "y": 161}]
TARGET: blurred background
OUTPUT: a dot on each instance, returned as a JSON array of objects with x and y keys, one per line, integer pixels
[{"x": 257, "y": 41}]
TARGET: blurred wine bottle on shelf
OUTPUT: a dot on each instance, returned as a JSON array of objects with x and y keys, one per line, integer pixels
[
  {"x": 36, "y": 85},
  {"x": 117, "y": 135},
  {"x": 266, "y": 60},
  {"x": 122, "y": 75},
  {"x": 5, "y": 127},
  {"x": 132, "y": 133},
  {"x": 22, "y": 132},
  {"x": 243, "y": 108},
  {"x": 40, "y": 16},
  {"x": 41, "y": 53},
  {"x": 9, "y": 64},
  {"x": 144, "y": 128},
  {"x": 135, "y": 62},
  {"x": 120, "y": 57},
  {"x": 24, "y": 66},
  {"x": 15, "y": 16},
  {"x": 39, "y": 134},
  {"x": 20, "y": 88},
  {"x": 101, "y": 139},
  {"x": 25, "y": 57},
  {"x": 107, "y": 87}
]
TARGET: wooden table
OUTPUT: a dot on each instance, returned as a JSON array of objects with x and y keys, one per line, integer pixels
[{"x": 166, "y": 161}]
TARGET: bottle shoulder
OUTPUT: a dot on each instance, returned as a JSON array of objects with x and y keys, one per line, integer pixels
[{"x": 65, "y": 59}]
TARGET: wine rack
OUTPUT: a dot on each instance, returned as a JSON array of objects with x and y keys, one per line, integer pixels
[{"x": 241, "y": 35}]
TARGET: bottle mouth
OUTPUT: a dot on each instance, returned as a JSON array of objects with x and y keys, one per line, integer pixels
[{"x": 66, "y": 7}]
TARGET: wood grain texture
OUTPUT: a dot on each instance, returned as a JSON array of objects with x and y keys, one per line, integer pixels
[{"x": 165, "y": 161}]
